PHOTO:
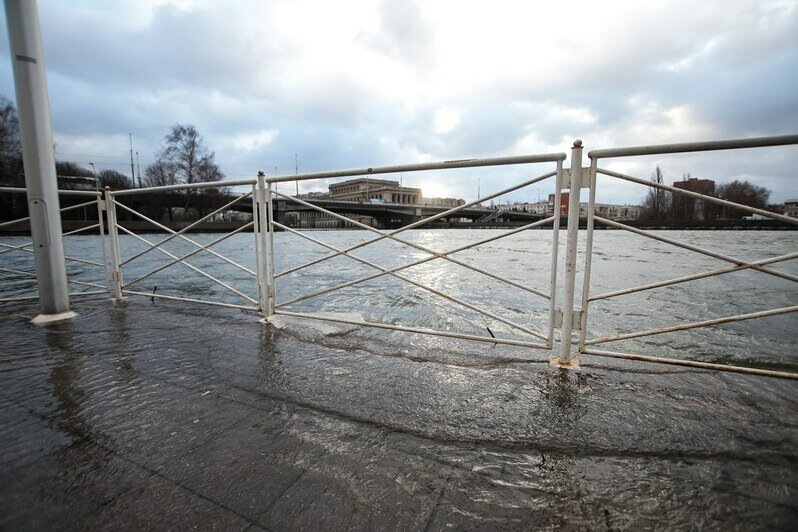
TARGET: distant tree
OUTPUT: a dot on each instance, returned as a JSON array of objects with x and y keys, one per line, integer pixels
[
  {"x": 159, "y": 174},
  {"x": 657, "y": 204},
  {"x": 744, "y": 193},
  {"x": 68, "y": 168},
  {"x": 183, "y": 151},
  {"x": 10, "y": 146},
  {"x": 184, "y": 159},
  {"x": 115, "y": 180}
]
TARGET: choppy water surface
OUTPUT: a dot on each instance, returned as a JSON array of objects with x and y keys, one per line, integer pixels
[
  {"x": 173, "y": 415},
  {"x": 621, "y": 260}
]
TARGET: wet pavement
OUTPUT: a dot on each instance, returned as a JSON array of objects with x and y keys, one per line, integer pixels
[{"x": 170, "y": 416}]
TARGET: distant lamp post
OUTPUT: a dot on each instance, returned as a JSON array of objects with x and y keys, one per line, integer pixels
[{"x": 96, "y": 179}]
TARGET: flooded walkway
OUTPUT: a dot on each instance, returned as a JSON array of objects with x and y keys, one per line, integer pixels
[{"x": 157, "y": 415}]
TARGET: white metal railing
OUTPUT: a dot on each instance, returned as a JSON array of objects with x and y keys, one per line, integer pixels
[
  {"x": 546, "y": 337},
  {"x": 570, "y": 317},
  {"x": 585, "y": 344},
  {"x": 120, "y": 287},
  {"x": 26, "y": 248}
]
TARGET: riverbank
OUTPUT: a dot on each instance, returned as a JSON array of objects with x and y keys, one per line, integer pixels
[{"x": 140, "y": 226}]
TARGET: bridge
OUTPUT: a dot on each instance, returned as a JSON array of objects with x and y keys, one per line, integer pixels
[{"x": 393, "y": 215}]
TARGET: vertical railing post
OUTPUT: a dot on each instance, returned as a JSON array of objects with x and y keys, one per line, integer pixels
[
  {"x": 115, "y": 281},
  {"x": 555, "y": 249},
  {"x": 101, "y": 207},
  {"x": 256, "y": 244},
  {"x": 266, "y": 247},
  {"x": 574, "y": 186},
  {"x": 272, "y": 258},
  {"x": 591, "y": 207}
]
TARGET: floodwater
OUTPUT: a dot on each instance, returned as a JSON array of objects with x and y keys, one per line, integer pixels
[
  {"x": 162, "y": 414},
  {"x": 621, "y": 260}
]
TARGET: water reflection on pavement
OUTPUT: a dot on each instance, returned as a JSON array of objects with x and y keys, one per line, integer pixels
[{"x": 142, "y": 414}]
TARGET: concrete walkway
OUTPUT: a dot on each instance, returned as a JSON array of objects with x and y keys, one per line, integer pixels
[{"x": 143, "y": 415}]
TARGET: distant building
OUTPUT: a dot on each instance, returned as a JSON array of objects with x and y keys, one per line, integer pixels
[
  {"x": 540, "y": 207},
  {"x": 618, "y": 213},
  {"x": 687, "y": 208},
  {"x": 791, "y": 208},
  {"x": 443, "y": 202},
  {"x": 366, "y": 189},
  {"x": 550, "y": 210}
]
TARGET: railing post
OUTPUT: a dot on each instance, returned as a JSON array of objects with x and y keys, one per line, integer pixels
[
  {"x": 115, "y": 282},
  {"x": 266, "y": 245},
  {"x": 574, "y": 186},
  {"x": 256, "y": 243}
]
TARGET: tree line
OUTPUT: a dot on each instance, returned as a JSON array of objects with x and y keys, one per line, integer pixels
[
  {"x": 182, "y": 159},
  {"x": 663, "y": 205}
]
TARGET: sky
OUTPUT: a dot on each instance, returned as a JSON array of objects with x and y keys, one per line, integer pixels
[{"x": 275, "y": 84}]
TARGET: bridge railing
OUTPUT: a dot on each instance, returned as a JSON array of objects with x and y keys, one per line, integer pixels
[
  {"x": 91, "y": 287},
  {"x": 586, "y": 345},
  {"x": 541, "y": 337}
]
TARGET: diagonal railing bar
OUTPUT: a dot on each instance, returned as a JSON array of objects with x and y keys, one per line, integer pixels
[
  {"x": 11, "y": 248},
  {"x": 433, "y": 332},
  {"x": 65, "y": 209},
  {"x": 197, "y": 244},
  {"x": 191, "y": 267},
  {"x": 82, "y": 229},
  {"x": 693, "y": 325},
  {"x": 163, "y": 267},
  {"x": 84, "y": 283},
  {"x": 692, "y": 364},
  {"x": 12, "y": 222},
  {"x": 18, "y": 272},
  {"x": 694, "y": 277},
  {"x": 391, "y": 234},
  {"x": 441, "y": 255},
  {"x": 178, "y": 233},
  {"x": 419, "y": 261},
  {"x": 697, "y": 249},
  {"x": 22, "y": 246},
  {"x": 410, "y": 281},
  {"x": 696, "y": 195}
]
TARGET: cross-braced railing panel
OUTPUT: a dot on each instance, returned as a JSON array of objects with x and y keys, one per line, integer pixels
[
  {"x": 195, "y": 249},
  {"x": 760, "y": 266},
  {"x": 395, "y": 272},
  {"x": 76, "y": 276}
]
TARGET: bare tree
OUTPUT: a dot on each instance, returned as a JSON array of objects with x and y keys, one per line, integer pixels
[
  {"x": 744, "y": 193},
  {"x": 657, "y": 204},
  {"x": 184, "y": 159}
]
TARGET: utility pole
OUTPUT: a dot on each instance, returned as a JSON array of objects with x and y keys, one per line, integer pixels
[
  {"x": 138, "y": 166},
  {"x": 38, "y": 157},
  {"x": 132, "y": 170},
  {"x": 296, "y": 172}
]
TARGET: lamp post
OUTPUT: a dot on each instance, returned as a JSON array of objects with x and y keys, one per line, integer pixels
[{"x": 36, "y": 132}]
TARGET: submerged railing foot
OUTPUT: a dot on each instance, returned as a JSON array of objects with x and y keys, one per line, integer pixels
[
  {"x": 46, "y": 319},
  {"x": 557, "y": 362}
]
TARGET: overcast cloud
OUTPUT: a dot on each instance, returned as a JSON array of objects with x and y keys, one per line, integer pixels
[{"x": 352, "y": 83}]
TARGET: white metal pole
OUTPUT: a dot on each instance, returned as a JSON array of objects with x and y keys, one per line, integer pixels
[
  {"x": 264, "y": 233},
  {"x": 270, "y": 235},
  {"x": 256, "y": 247},
  {"x": 570, "y": 256},
  {"x": 36, "y": 131}
]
